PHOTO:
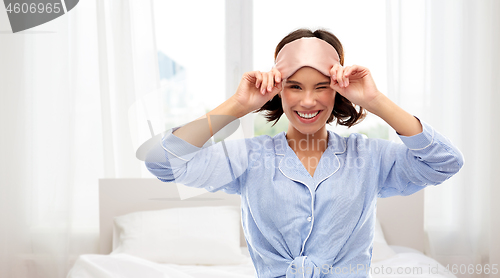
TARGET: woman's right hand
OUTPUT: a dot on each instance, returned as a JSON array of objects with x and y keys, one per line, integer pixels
[{"x": 256, "y": 88}]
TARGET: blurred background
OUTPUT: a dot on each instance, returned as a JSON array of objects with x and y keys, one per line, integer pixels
[{"x": 80, "y": 94}]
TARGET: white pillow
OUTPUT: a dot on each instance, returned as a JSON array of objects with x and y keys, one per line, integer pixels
[
  {"x": 381, "y": 251},
  {"x": 193, "y": 235}
]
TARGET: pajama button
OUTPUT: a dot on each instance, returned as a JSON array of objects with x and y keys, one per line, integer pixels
[{"x": 309, "y": 218}]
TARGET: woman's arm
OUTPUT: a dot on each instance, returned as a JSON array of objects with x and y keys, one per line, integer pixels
[
  {"x": 181, "y": 157},
  {"x": 254, "y": 90},
  {"x": 403, "y": 122},
  {"x": 425, "y": 158},
  {"x": 197, "y": 132}
]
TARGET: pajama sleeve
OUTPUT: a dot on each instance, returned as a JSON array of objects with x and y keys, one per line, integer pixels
[
  {"x": 427, "y": 158},
  {"x": 219, "y": 166}
]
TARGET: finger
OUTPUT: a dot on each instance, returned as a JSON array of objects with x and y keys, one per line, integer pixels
[
  {"x": 264, "y": 83},
  {"x": 340, "y": 76},
  {"x": 258, "y": 75},
  {"x": 333, "y": 72},
  {"x": 277, "y": 75},
  {"x": 277, "y": 89},
  {"x": 333, "y": 77},
  {"x": 335, "y": 86},
  {"x": 270, "y": 80},
  {"x": 351, "y": 71},
  {"x": 345, "y": 76}
]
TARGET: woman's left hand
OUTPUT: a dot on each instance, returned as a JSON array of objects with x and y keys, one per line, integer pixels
[{"x": 354, "y": 83}]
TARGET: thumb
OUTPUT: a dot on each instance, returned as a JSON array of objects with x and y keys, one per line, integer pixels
[
  {"x": 335, "y": 85},
  {"x": 276, "y": 89}
]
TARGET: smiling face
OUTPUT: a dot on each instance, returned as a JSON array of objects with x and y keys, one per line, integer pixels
[{"x": 305, "y": 93}]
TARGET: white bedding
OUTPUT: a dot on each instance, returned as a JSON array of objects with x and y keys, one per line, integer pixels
[
  {"x": 128, "y": 266},
  {"x": 411, "y": 263}
]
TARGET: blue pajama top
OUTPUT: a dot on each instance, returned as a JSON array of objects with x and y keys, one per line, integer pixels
[{"x": 296, "y": 225}]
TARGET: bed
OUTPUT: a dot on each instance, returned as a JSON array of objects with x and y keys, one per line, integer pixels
[{"x": 129, "y": 210}]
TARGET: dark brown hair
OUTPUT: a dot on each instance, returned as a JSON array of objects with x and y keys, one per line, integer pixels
[{"x": 343, "y": 110}]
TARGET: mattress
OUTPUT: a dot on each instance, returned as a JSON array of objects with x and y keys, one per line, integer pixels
[{"x": 406, "y": 262}]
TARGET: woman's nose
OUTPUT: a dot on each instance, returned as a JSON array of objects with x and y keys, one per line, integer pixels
[{"x": 309, "y": 99}]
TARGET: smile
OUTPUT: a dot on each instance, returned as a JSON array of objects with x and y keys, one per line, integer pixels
[{"x": 308, "y": 116}]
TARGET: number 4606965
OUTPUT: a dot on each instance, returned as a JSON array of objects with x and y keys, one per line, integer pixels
[
  {"x": 34, "y": 8},
  {"x": 472, "y": 269}
]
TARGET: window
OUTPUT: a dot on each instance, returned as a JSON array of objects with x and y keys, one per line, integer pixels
[{"x": 190, "y": 39}]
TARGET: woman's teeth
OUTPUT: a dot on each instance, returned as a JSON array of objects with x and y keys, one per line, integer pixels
[{"x": 307, "y": 116}]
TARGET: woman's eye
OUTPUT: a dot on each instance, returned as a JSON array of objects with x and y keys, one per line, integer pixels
[
  {"x": 324, "y": 87},
  {"x": 295, "y": 87}
]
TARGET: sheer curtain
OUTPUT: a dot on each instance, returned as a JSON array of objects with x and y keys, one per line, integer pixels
[
  {"x": 128, "y": 66},
  {"x": 65, "y": 92},
  {"x": 444, "y": 67}
]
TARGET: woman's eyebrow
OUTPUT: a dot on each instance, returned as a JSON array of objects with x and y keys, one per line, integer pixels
[
  {"x": 320, "y": 83},
  {"x": 323, "y": 83}
]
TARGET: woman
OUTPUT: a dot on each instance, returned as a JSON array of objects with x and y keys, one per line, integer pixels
[{"x": 308, "y": 195}]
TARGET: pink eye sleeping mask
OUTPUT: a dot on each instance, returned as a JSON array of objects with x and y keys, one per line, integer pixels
[{"x": 307, "y": 51}]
